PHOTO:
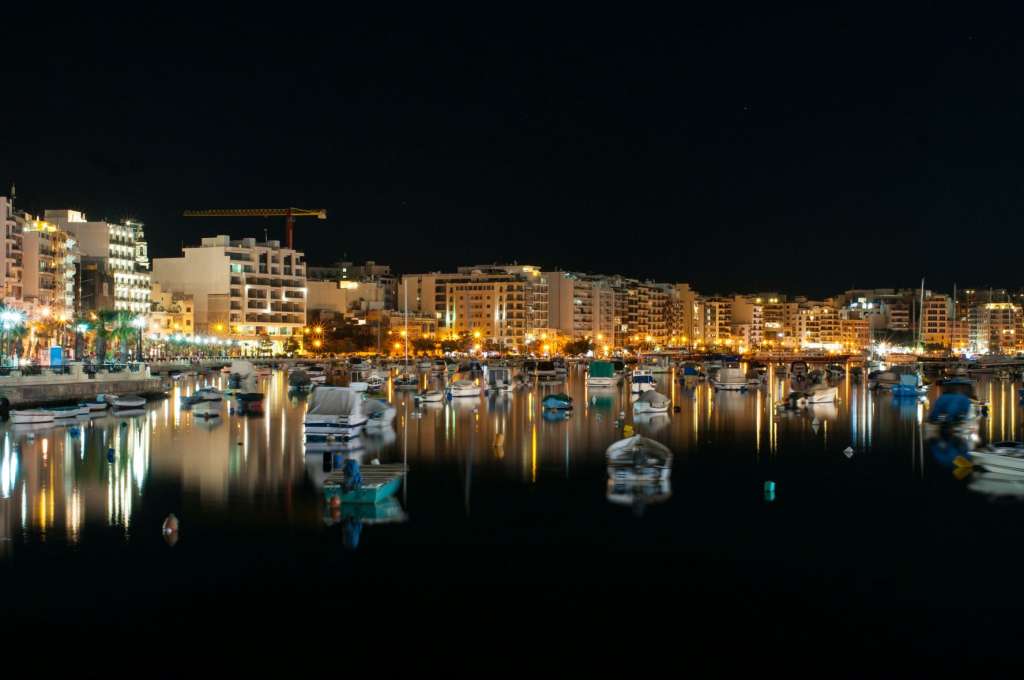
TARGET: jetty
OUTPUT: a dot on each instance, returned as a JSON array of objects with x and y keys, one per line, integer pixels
[{"x": 73, "y": 383}]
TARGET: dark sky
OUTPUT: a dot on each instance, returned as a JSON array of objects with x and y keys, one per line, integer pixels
[{"x": 802, "y": 150}]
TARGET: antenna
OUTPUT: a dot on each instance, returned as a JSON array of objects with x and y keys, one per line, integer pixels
[{"x": 13, "y": 192}]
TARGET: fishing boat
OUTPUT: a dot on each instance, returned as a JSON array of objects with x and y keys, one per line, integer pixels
[
  {"x": 336, "y": 413},
  {"x": 375, "y": 383},
  {"x": 463, "y": 388},
  {"x": 729, "y": 377},
  {"x": 557, "y": 402},
  {"x": 909, "y": 385},
  {"x": 652, "y": 402},
  {"x": 641, "y": 380},
  {"x": 32, "y": 416},
  {"x": 499, "y": 379},
  {"x": 1003, "y": 457},
  {"x": 379, "y": 414},
  {"x": 126, "y": 401},
  {"x": 429, "y": 396},
  {"x": 638, "y": 458},
  {"x": 377, "y": 483},
  {"x": 601, "y": 374}
]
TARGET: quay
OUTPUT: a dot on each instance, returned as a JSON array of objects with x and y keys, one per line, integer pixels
[{"x": 72, "y": 383}]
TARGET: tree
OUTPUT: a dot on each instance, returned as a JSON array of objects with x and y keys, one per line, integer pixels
[
  {"x": 423, "y": 345},
  {"x": 579, "y": 346},
  {"x": 266, "y": 345},
  {"x": 291, "y": 346}
]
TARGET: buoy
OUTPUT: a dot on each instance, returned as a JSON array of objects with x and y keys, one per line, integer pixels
[
  {"x": 848, "y": 452},
  {"x": 769, "y": 491},
  {"x": 627, "y": 430},
  {"x": 110, "y": 455}
]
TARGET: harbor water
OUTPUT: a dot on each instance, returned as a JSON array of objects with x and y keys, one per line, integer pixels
[{"x": 835, "y": 526}]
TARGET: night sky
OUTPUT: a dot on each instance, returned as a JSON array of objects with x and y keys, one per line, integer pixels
[{"x": 804, "y": 151}]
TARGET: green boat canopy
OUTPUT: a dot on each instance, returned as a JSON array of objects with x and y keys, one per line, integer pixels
[{"x": 602, "y": 369}]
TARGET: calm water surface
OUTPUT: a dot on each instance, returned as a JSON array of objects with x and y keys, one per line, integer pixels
[{"x": 879, "y": 546}]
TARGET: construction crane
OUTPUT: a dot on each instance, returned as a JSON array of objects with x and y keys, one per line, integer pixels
[{"x": 289, "y": 215}]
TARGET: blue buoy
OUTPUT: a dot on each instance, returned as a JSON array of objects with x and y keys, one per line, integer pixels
[
  {"x": 769, "y": 491},
  {"x": 110, "y": 455}
]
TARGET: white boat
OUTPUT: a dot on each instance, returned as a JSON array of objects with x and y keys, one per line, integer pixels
[
  {"x": 99, "y": 405},
  {"x": 430, "y": 396},
  {"x": 334, "y": 413},
  {"x": 656, "y": 364},
  {"x": 499, "y": 379},
  {"x": 126, "y": 400},
  {"x": 358, "y": 386},
  {"x": 638, "y": 458},
  {"x": 379, "y": 414},
  {"x": 601, "y": 374},
  {"x": 729, "y": 377},
  {"x": 209, "y": 394},
  {"x": 375, "y": 383},
  {"x": 32, "y": 416},
  {"x": 61, "y": 412},
  {"x": 641, "y": 380},
  {"x": 1003, "y": 457},
  {"x": 464, "y": 388},
  {"x": 652, "y": 402},
  {"x": 405, "y": 381},
  {"x": 637, "y": 493}
]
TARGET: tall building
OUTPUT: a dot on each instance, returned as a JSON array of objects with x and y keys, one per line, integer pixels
[
  {"x": 49, "y": 256},
  {"x": 581, "y": 306},
  {"x": 998, "y": 328},
  {"x": 243, "y": 287},
  {"x": 122, "y": 250},
  {"x": 13, "y": 224},
  {"x": 937, "y": 320},
  {"x": 370, "y": 272},
  {"x": 505, "y": 305}
]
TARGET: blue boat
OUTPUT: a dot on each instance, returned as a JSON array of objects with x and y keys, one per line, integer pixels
[
  {"x": 557, "y": 402},
  {"x": 908, "y": 386},
  {"x": 376, "y": 483}
]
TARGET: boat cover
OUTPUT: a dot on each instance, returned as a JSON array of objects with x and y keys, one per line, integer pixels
[
  {"x": 602, "y": 369},
  {"x": 374, "y": 407},
  {"x": 653, "y": 398},
  {"x": 335, "y": 401}
]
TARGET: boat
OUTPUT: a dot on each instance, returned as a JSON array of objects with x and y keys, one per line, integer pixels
[
  {"x": 225, "y": 370},
  {"x": 463, "y": 388},
  {"x": 126, "y": 401},
  {"x": 619, "y": 366},
  {"x": 821, "y": 394},
  {"x": 499, "y": 379},
  {"x": 377, "y": 483},
  {"x": 405, "y": 381},
  {"x": 546, "y": 370},
  {"x": 601, "y": 374},
  {"x": 375, "y": 383},
  {"x": 335, "y": 413},
  {"x": 557, "y": 402},
  {"x": 637, "y": 494},
  {"x": 641, "y": 380},
  {"x": 423, "y": 364},
  {"x": 690, "y": 370},
  {"x": 299, "y": 379},
  {"x": 656, "y": 363},
  {"x": 652, "y": 402},
  {"x": 1003, "y": 457},
  {"x": 32, "y": 416},
  {"x": 638, "y": 458},
  {"x": 358, "y": 386},
  {"x": 439, "y": 366},
  {"x": 429, "y": 396},
  {"x": 99, "y": 405},
  {"x": 559, "y": 365},
  {"x": 909, "y": 385},
  {"x": 249, "y": 403},
  {"x": 190, "y": 400},
  {"x": 379, "y": 414},
  {"x": 264, "y": 370},
  {"x": 729, "y": 377},
  {"x": 799, "y": 370}
]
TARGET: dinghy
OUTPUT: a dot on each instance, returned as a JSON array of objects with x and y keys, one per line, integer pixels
[
  {"x": 638, "y": 458},
  {"x": 126, "y": 401},
  {"x": 32, "y": 416},
  {"x": 652, "y": 402},
  {"x": 557, "y": 402}
]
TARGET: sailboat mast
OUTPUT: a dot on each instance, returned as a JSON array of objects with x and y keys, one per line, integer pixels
[{"x": 920, "y": 317}]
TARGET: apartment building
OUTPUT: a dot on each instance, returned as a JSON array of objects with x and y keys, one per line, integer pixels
[
  {"x": 172, "y": 313},
  {"x": 581, "y": 306},
  {"x": 13, "y": 225},
  {"x": 252, "y": 288},
  {"x": 49, "y": 257},
  {"x": 937, "y": 320}
]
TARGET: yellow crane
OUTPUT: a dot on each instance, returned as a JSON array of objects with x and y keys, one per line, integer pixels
[{"x": 289, "y": 215}]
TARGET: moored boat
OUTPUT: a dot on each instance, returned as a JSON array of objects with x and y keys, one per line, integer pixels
[
  {"x": 126, "y": 400},
  {"x": 32, "y": 416},
  {"x": 557, "y": 402},
  {"x": 601, "y": 374},
  {"x": 463, "y": 388},
  {"x": 729, "y": 377},
  {"x": 335, "y": 412},
  {"x": 1004, "y": 457},
  {"x": 638, "y": 458},
  {"x": 641, "y": 380},
  {"x": 652, "y": 402}
]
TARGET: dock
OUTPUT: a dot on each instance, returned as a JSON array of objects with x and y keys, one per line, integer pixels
[{"x": 72, "y": 383}]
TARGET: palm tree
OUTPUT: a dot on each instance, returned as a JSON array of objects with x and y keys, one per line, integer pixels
[{"x": 105, "y": 323}]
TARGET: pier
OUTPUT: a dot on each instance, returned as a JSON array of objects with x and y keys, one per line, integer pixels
[{"x": 73, "y": 383}]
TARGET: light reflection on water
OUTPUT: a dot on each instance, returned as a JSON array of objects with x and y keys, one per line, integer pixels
[{"x": 57, "y": 481}]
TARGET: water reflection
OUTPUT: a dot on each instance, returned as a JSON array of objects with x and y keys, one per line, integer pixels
[{"x": 57, "y": 481}]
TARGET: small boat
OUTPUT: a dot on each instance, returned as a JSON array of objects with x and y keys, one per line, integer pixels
[
  {"x": 429, "y": 396},
  {"x": 619, "y": 366},
  {"x": 601, "y": 374},
  {"x": 656, "y": 364},
  {"x": 379, "y": 414},
  {"x": 375, "y": 383},
  {"x": 376, "y": 483},
  {"x": 499, "y": 379},
  {"x": 463, "y": 388},
  {"x": 557, "y": 402},
  {"x": 405, "y": 381},
  {"x": 126, "y": 401},
  {"x": 335, "y": 413},
  {"x": 909, "y": 385},
  {"x": 652, "y": 402},
  {"x": 1003, "y": 457},
  {"x": 99, "y": 405},
  {"x": 32, "y": 416},
  {"x": 641, "y": 381},
  {"x": 638, "y": 458},
  {"x": 191, "y": 400},
  {"x": 729, "y": 377}
]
